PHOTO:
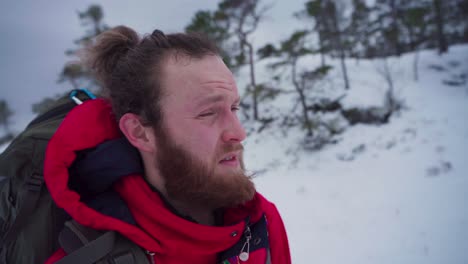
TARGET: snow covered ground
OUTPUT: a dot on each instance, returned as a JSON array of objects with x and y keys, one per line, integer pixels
[
  {"x": 383, "y": 194},
  {"x": 395, "y": 193}
]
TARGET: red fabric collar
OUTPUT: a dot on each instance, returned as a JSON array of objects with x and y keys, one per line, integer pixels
[{"x": 173, "y": 232}]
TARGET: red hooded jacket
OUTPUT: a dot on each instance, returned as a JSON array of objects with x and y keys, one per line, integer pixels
[{"x": 153, "y": 225}]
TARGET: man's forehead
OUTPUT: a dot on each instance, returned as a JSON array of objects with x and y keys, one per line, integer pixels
[
  {"x": 201, "y": 69},
  {"x": 200, "y": 78}
]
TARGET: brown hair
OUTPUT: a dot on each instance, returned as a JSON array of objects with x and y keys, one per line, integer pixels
[{"x": 129, "y": 67}]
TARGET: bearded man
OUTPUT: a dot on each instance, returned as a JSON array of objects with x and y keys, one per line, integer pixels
[{"x": 159, "y": 160}]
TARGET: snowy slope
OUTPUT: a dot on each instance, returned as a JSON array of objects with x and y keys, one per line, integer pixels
[
  {"x": 389, "y": 194},
  {"x": 382, "y": 194}
]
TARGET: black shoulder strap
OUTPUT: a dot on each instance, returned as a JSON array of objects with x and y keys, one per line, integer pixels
[
  {"x": 86, "y": 246},
  {"x": 31, "y": 194}
]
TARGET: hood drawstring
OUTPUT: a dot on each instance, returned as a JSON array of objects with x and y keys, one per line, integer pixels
[{"x": 150, "y": 256}]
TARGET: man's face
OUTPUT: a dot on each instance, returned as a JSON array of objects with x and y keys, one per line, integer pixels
[{"x": 199, "y": 151}]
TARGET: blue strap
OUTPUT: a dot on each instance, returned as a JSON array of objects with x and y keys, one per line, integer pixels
[{"x": 74, "y": 93}]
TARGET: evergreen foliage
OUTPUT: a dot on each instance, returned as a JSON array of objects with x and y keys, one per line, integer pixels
[{"x": 5, "y": 115}]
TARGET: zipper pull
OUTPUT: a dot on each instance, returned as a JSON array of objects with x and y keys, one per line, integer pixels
[
  {"x": 245, "y": 251},
  {"x": 150, "y": 256}
]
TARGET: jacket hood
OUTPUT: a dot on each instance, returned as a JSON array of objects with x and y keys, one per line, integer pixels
[
  {"x": 140, "y": 213},
  {"x": 84, "y": 128}
]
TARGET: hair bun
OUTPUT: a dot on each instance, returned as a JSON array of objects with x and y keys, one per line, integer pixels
[
  {"x": 160, "y": 39},
  {"x": 158, "y": 33},
  {"x": 111, "y": 46}
]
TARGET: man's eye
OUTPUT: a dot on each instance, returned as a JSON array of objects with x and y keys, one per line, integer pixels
[{"x": 206, "y": 114}]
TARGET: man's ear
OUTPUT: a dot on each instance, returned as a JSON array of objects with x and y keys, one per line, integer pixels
[{"x": 141, "y": 137}]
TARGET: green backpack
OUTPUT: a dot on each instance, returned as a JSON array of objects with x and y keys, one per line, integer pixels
[{"x": 32, "y": 227}]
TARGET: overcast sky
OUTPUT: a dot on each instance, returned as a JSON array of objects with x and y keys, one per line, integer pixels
[{"x": 35, "y": 35}]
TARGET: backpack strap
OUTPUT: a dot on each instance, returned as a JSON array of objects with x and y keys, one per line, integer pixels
[
  {"x": 86, "y": 246},
  {"x": 31, "y": 195}
]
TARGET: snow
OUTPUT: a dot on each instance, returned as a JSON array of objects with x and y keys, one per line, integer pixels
[{"x": 383, "y": 194}]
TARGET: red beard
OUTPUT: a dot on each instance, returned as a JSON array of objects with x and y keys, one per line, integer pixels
[{"x": 190, "y": 180}]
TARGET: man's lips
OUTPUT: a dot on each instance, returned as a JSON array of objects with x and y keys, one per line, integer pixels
[{"x": 230, "y": 159}]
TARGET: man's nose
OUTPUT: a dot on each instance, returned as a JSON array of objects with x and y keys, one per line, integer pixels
[{"x": 234, "y": 131}]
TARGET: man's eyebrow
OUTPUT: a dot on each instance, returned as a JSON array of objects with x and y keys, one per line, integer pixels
[{"x": 214, "y": 99}]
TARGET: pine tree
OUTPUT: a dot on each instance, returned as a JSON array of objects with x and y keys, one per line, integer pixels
[
  {"x": 359, "y": 29},
  {"x": 460, "y": 18},
  {"x": 212, "y": 25},
  {"x": 314, "y": 12},
  {"x": 415, "y": 19},
  {"x": 5, "y": 115},
  {"x": 387, "y": 35},
  {"x": 331, "y": 28},
  {"x": 335, "y": 14},
  {"x": 440, "y": 22},
  {"x": 74, "y": 71},
  {"x": 242, "y": 17},
  {"x": 288, "y": 55}
]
